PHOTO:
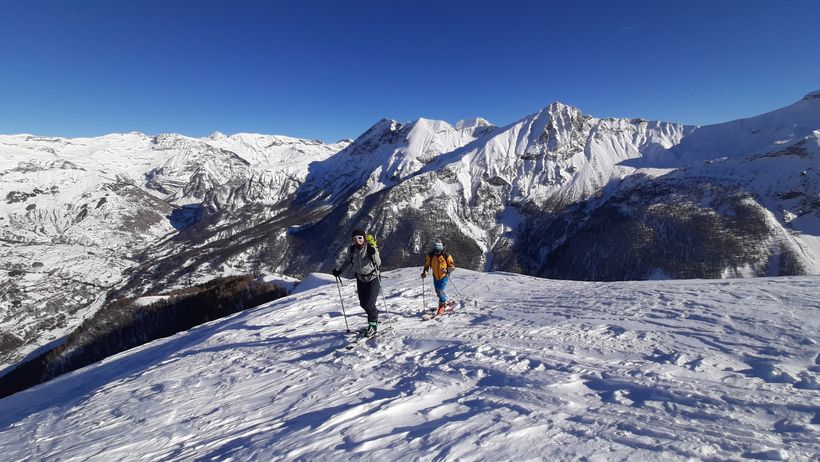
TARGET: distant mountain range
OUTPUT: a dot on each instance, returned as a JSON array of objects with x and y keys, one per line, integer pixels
[{"x": 558, "y": 193}]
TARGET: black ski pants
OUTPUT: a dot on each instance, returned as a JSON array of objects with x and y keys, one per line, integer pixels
[{"x": 368, "y": 296}]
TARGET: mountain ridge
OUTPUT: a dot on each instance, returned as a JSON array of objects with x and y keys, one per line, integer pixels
[{"x": 534, "y": 196}]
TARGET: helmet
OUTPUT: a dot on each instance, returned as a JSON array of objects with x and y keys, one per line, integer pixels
[
  {"x": 357, "y": 232},
  {"x": 438, "y": 247}
]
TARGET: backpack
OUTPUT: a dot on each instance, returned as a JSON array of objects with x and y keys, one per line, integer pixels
[{"x": 432, "y": 255}]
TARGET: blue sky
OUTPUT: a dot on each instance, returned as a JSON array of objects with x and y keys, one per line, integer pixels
[{"x": 329, "y": 70}]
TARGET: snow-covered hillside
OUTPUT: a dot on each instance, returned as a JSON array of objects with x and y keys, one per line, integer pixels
[
  {"x": 524, "y": 369},
  {"x": 766, "y": 133},
  {"x": 77, "y": 213}
]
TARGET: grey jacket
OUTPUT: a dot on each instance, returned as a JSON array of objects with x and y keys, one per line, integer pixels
[{"x": 362, "y": 264}]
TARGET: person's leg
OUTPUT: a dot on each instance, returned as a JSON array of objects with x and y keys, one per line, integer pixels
[
  {"x": 441, "y": 287},
  {"x": 368, "y": 296},
  {"x": 361, "y": 291}
]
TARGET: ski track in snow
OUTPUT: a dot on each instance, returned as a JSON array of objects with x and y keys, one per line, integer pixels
[{"x": 524, "y": 369}]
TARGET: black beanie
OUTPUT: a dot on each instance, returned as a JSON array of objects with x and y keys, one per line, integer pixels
[{"x": 357, "y": 232}]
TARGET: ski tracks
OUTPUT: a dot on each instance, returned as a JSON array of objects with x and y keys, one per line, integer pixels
[
  {"x": 666, "y": 356},
  {"x": 523, "y": 369}
]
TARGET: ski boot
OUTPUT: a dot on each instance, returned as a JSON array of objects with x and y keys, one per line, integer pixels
[{"x": 441, "y": 308}]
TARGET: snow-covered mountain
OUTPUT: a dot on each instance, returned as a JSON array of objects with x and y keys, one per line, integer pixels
[
  {"x": 566, "y": 195},
  {"x": 384, "y": 156},
  {"x": 77, "y": 214},
  {"x": 523, "y": 369},
  {"x": 412, "y": 183},
  {"x": 763, "y": 134},
  {"x": 558, "y": 193}
]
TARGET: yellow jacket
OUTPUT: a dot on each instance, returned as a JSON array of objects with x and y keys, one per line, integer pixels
[{"x": 439, "y": 263}]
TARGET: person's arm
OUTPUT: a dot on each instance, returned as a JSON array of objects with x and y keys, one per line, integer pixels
[
  {"x": 450, "y": 264},
  {"x": 345, "y": 262},
  {"x": 374, "y": 254}
]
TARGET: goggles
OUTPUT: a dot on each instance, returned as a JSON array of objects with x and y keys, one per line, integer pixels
[{"x": 358, "y": 238}]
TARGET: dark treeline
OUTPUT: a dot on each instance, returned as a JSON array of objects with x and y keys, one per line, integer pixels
[{"x": 120, "y": 325}]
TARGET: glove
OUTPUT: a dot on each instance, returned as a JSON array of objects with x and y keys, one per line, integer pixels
[
  {"x": 371, "y": 250},
  {"x": 336, "y": 272},
  {"x": 447, "y": 272},
  {"x": 450, "y": 270},
  {"x": 423, "y": 274}
]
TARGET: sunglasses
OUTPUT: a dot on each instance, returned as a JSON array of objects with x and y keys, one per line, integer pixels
[{"x": 358, "y": 238}]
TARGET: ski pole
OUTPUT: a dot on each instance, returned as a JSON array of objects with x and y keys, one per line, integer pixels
[
  {"x": 423, "y": 297},
  {"x": 456, "y": 287},
  {"x": 338, "y": 286},
  {"x": 384, "y": 300},
  {"x": 423, "y": 288}
]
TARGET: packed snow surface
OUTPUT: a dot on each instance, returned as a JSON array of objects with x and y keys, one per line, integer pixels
[{"x": 523, "y": 369}]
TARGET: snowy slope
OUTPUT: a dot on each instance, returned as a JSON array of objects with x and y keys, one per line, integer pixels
[
  {"x": 769, "y": 132},
  {"x": 72, "y": 216},
  {"x": 230, "y": 172},
  {"x": 524, "y": 369},
  {"x": 785, "y": 181},
  {"x": 386, "y": 154},
  {"x": 563, "y": 153},
  {"x": 76, "y": 214},
  {"x": 558, "y": 151}
]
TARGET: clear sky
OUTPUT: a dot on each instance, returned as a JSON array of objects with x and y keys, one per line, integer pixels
[{"x": 330, "y": 69}]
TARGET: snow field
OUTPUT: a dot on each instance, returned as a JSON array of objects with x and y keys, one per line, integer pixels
[{"x": 524, "y": 369}]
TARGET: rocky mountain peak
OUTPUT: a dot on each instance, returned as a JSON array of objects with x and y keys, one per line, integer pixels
[
  {"x": 557, "y": 107},
  {"x": 475, "y": 122},
  {"x": 383, "y": 125},
  {"x": 171, "y": 141}
]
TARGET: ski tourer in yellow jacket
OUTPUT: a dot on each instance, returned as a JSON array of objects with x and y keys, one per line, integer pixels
[{"x": 442, "y": 265}]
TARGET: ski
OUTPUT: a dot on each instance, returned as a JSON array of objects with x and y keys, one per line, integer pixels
[
  {"x": 428, "y": 315},
  {"x": 360, "y": 338}
]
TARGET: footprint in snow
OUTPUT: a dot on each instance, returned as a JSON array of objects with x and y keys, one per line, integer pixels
[
  {"x": 677, "y": 358},
  {"x": 662, "y": 357},
  {"x": 766, "y": 370}
]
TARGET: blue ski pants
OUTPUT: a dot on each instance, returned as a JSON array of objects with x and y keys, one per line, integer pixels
[{"x": 440, "y": 285}]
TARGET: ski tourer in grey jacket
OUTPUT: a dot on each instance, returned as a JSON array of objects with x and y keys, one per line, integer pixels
[{"x": 365, "y": 261}]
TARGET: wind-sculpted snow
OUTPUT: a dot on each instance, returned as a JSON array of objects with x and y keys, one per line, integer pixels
[{"x": 523, "y": 369}]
